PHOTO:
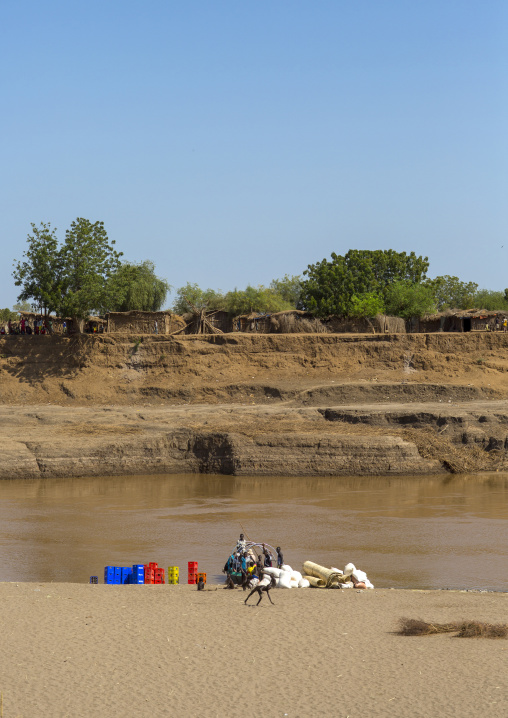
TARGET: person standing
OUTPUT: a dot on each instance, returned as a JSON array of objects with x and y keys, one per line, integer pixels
[
  {"x": 155, "y": 327},
  {"x": 280, "y": 558},
  {"x": 268, "y": 558},
  {"x": 241, "y": 544}
]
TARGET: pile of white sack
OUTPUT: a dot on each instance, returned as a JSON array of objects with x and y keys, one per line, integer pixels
[
  {"x": 285, "y": 577},
  {"x": 317, "y": 576}
]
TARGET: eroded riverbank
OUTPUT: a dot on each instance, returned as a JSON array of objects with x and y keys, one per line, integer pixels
[
  {"x": 55, "y": 441},
  {"x": 253, "y": 404}
]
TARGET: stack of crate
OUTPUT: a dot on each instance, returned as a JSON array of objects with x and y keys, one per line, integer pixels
[
  {"x": 138, "y": 573},
  {"x": 192, "y": 572},
  {"x": 118, "y": 575},
  {"x": 150, "y": 572},
  {"x": 153, "y": 574},
  {"x": 173, "y": 574},
  {"x": 113, "y": 574}
]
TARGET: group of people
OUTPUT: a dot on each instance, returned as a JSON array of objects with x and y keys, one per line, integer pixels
[
  {"x": 495, "y": 325},
  {"x": 247, "y": 566},
  {"x": 40, "y": 326}
]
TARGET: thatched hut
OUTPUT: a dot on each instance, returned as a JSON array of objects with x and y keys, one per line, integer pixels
[
  {"x": 380, "y": 324},
  {"x": 458, "y": 320},
  {"x": 144, "y": 322},
  {"x": 204, "y": 321},
  {"x": 291, "y": 321}
]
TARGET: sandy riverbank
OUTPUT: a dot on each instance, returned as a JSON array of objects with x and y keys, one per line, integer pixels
[{"x": 79, "y": 650}]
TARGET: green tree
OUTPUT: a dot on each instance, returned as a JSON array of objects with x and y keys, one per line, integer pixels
[
  {"x": 6, "y": 314},
  {"x": 405, "y": 299},
  {"x": 491, "y": 300},
  {"x": 88, "y": 259},
  {"x": 39, "y": 273},
  {"x": 136, "y": 286},
  {"x": 209, "y": 298},
  {"x": 289, "y": 288},
  {"x": 368, "y": 304},
  {"x": 452, "y": 293},
  {"x": 331, "y": 285},
  {"x": 255, "y": 299},
  {"x": 22, "y": 307}
]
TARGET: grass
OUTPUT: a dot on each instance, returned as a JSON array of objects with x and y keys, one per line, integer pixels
[
  {"x": 136, "y": 345},
  {"x": 463, "y": 629}
]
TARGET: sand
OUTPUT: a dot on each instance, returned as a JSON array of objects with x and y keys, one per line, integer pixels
[{"x": 81, "y": 650}]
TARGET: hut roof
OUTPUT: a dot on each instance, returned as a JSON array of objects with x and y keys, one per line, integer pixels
[
  {"x": 258, "y": 315},
  {"x": 140, "y": 313},
  {"x": 466, "y": 313}
]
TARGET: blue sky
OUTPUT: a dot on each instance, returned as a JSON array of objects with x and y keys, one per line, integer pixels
[{"x": 235, "y": 142}]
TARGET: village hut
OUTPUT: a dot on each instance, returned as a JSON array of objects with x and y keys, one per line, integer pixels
[
  {"x": 457, "y": 320},
  {"x": 62, "y": 325},
  {"x": 138, "y": 322},
  {"x": 200, "y": 321},
  {"x": 291, "y": 321},
  {"x": 380, "y": 324}
]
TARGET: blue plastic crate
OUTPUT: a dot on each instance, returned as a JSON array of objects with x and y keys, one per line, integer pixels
[
  {"x": 126, "y": 574},
  {"x": 138, "y": 573},
  {"x": 118, "y": 574},
  {"x": 109, "y": 574}
]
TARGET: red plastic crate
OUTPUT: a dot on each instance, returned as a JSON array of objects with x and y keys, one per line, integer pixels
[
  {"x": 149, "y": 576},
  {"x": 153, "y": 565},
  {"x": 193, "y": 566},
  {"x": 192, "y": 578}
]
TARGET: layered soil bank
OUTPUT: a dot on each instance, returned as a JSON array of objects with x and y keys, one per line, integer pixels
[{"x": 253, "y": 404}]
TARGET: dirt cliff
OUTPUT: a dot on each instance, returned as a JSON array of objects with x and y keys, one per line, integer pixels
[{"x": 253, "y": 404}]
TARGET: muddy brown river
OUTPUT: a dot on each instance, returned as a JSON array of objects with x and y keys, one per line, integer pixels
[{"x": 414, "y": 532}]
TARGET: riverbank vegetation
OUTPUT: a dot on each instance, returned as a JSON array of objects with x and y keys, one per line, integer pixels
[{"x": 86, "y": 274}]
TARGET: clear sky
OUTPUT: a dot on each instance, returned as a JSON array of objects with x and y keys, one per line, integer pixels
[{"x": 233, "y": 142}]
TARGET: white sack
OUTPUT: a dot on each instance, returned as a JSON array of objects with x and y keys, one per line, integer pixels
[
  {"x": 296, "y": 576},
  {"x": 272, "y": 571},
  {"x": 294, "y": 584},
  {"x": 287, "y": 567},
  {"x": 285, "y": 579},
  {"x": 303, "y": 583}
]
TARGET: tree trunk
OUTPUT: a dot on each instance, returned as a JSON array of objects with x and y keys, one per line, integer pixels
[{"x": 77, "y": 325}]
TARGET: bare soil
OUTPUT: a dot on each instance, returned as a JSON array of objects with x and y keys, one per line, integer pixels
[{"x": 244, "y": 403}]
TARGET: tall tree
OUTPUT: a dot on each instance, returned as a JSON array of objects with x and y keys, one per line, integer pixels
[
  {"x": 289, "y": 288},
  {"x": 255, "y": 299},
  {"x": 200, "y": 298},
  {"x": 39, "y": 274},
  {"x": 491, "y": 300},
  {"x": 331, "y": 285},
  {"x": 136, "y": 286},
  {"x": 88, "y": 260},
  {"x": 451, "y": 293},
  {"x": 406, "y": 299}
]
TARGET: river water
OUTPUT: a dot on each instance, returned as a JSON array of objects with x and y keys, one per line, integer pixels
[{"x": 406, "y": 532}]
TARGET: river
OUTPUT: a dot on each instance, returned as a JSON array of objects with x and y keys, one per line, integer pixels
[{"x": 406, "y": 532}]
